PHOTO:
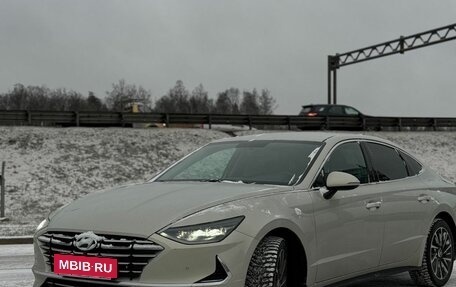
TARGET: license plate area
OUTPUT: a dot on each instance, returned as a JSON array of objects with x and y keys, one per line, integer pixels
[{"x": 85, "y": 266}]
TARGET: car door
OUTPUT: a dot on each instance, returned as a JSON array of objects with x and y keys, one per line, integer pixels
[
  {"x": 348, "y": 226},
  {"x": 406, "y": 205}
]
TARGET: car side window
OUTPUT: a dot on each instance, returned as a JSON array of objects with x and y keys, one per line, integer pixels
[
  {"x": 347, "y": 158},
  {"x": 386, "y": 162},
  {"x": 351, "y": 111},
  {"x": 413, "y": 167},
  {"x": 336, "y": 111}
]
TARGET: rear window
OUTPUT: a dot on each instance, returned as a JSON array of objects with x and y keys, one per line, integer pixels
[
  {"x": 413, "y": 167},
  {"x": 387, "y": 163}
]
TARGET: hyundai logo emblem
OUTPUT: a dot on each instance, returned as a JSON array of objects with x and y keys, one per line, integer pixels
[{"x": 87, "y": 241}]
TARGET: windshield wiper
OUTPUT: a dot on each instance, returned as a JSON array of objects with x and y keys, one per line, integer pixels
[
  {"x": 223, "y": 180},
  {"x": 238, "y": 181},
  {"x": 213, "y": 180},
  {"x": 198, "y": 180}
]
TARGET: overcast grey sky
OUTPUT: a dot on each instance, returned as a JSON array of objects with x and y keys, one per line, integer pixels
[{"x": 282, "y": 45}]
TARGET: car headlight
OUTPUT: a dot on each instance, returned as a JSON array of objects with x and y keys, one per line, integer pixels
[
  {"x": 45, "y": 222},
  {"x": 42, "y": 225},
  {"x": 203, "y": 233}
]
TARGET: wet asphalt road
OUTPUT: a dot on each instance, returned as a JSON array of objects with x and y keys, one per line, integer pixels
[
  {"x": 15, "y": 264},
  {"x": 16, "y": 261}
]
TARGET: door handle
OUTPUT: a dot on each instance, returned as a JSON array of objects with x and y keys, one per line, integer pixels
[
  {"x": 424, "y": 198},
  {"x": 373, "y": 205}
]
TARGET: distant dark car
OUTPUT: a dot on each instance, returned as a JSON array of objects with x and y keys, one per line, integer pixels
[
  {"x": 329, "y": 110},
  {"x": 341, "y": 117}
]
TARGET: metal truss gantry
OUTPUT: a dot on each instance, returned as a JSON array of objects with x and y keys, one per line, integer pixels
[{"x": 397, "y": 46}]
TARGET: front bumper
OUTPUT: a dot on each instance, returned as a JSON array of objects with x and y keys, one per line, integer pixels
[
  {"x": 58, "y": 281},
  {"x": 178, "y": 265}
]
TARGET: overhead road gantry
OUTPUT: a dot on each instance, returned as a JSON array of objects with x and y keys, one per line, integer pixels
[{"x": 397, "y": 46}]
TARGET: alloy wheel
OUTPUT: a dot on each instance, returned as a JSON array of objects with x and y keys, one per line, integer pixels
[{"x": 441, "y": 253}]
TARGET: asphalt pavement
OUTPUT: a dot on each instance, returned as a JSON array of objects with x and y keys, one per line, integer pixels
[
  {"x": 17, "y": 260},
  {"x": 15, "y": 265}
]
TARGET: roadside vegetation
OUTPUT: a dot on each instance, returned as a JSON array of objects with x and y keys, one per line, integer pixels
[{"x": 177, "y": 100}]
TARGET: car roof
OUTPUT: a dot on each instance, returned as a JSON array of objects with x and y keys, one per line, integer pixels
[{"x": 332, "y": 137}]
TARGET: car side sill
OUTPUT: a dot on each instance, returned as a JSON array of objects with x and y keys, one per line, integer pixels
[{"x": 386, "y": 272}]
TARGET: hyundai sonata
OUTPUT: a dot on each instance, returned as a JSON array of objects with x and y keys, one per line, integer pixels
[{"x": 288, "y": 209}]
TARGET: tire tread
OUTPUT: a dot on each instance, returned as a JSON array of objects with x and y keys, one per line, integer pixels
[{"x": 264, "y": 262}]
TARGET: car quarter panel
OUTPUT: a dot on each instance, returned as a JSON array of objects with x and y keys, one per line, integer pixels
[{"x": 443, "y": 193}]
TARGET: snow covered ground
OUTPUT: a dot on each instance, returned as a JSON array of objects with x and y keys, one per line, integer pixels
[{"x": 48, "y": 167}]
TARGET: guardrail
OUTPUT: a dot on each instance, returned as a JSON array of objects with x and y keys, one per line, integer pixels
[{"x": 40, "y": 118}]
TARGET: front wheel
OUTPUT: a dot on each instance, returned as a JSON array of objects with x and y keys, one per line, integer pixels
[
  {"x": 437, "y": 263},
  {"x": 268, "y": 266}
]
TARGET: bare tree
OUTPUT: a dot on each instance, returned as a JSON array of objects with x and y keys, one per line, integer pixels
[
  {"x": 199, "y": 101},
  {"x": 18, "y": 98},
  {"x": 267, "y": 104},
  {"x": 57, "y": 100},
  {"x": 3, "y": 102},
  {"x": 228, "y": 102},
  {"x": 37, "y": 98},
  {"x": 123, "y": 94},
  {"x": 249, "y": 103},
  {"x": 94, "y": 103},
  {"x": 223, "y": 104},
  {"x": 233, "y": 95},
  {"x": 175, "y": 101},
  {"x": 43, "y": 98},
  {"x": 75, "y": 102}
]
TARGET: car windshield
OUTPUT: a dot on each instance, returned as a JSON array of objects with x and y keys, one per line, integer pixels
[{"x": 252, "y": 162}]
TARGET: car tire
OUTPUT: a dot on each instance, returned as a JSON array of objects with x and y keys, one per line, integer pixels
[
  {"x": 437, "y": 263},
  {"x": 268, "y": 266}
]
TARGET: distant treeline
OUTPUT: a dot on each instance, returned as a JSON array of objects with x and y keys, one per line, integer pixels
[{"x": 122, "y": 95}]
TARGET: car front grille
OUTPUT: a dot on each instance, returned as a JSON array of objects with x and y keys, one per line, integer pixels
[{"x": 132, "y": 253}]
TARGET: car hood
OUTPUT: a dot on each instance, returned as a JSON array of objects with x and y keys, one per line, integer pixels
[{"x": 146, "y": 208}]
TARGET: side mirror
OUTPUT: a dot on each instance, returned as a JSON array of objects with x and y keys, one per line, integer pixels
[{"x": 339, "y": 181}]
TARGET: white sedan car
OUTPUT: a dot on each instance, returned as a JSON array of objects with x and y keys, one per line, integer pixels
[{"x": 272, "y": 210}]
